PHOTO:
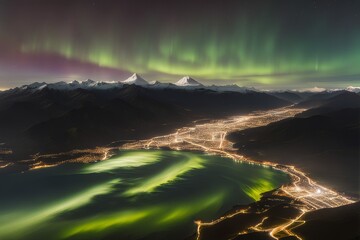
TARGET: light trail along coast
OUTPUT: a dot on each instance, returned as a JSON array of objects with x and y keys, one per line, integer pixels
[{"x": 210, "y": 137}]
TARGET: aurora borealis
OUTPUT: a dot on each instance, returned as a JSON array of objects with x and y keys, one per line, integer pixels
[
  {"x": 270, "y": 44},
  {"x": 134, "y": 194}
]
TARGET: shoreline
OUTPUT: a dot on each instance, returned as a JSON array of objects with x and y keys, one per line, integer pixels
[
  {"x": 297, "y": 179},
  {"x": 210, "y": 137},
  {"x": 312, "y": 195}
]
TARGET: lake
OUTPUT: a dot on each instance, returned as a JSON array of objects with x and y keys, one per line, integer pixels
[{"x": 136, "y": 194}]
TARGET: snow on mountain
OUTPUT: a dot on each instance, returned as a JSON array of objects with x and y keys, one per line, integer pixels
[
  {"x": 353, "y": 89},
  {"x": 108, "y": 85},
  {"x": 313, "y": 90},
  {"x": 72, "y": 85},
  {"x": 160, "y": 85},
  {"x": 60, "y": 85},
  {"x": 154, "y": 83},
  {"x": 230, "y": 88},
  {"x": 87, "y": 84},
  {"x": 33, "y": 86},
  {"x": 136, "y": 80},
  {"x": 188, "y": 81}
]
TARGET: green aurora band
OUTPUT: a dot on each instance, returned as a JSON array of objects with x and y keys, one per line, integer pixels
[
  {"x": 255, "y": 43},
  {"x": 274, "y": 43},
  {"x": 252, "y": 52}
]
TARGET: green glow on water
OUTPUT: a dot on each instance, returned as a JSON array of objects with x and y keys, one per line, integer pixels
[
  {"x": 168, "y": 175},
  {"x": 261, "y": 186},
  {"x": 129, "y": 160},
  {"x": 130, "y": 196},
  {"x": 100, "y": 223},
  {"x": 148, "y": 218},
  {"x": 28, "y": 220}
]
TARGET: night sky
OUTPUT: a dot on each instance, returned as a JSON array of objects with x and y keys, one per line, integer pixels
[{"x": 266, "y": 44}]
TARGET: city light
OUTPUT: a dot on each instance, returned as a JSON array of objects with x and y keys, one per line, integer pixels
[{"x": 211, "y": 138}]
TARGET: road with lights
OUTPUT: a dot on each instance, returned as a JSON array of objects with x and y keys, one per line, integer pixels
[{"x": 210, "y": 137}]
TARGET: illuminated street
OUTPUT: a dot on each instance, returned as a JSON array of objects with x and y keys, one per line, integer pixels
[
  {"x": 210, "y": 137},
  {"x": 180, "y": 120}
]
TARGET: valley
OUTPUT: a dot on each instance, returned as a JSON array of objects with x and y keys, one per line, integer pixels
[{"x": 301, "y": 196}]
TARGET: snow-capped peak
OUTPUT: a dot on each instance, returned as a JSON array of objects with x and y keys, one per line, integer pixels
[
  {"x": 34, "y": 86},
  {"x": 135, "y": 79},
  {"x": 231, "y": 88},
  {"x": 188, "y": 81},
  {"x": 88, "y": 81},
  {"x": 313, "y": 90},
  {"x": 154, "y": 82},
  {"x": 353, "y": 89}
]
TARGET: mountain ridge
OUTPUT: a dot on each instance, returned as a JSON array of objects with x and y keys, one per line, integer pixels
[
  {"x": 186, "y": 82},
  {"x": 58, "y": 120}
]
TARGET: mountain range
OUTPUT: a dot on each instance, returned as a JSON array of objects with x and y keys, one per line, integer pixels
[
  {"x": 322, "y": 141},
  {"x": 55, "y": 117},
  {"x": 50, "y": 118},
  {"x": 185, "y": 83}
]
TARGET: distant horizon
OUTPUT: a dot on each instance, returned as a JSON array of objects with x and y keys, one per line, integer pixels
[{"x": 315, "y": 88}]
